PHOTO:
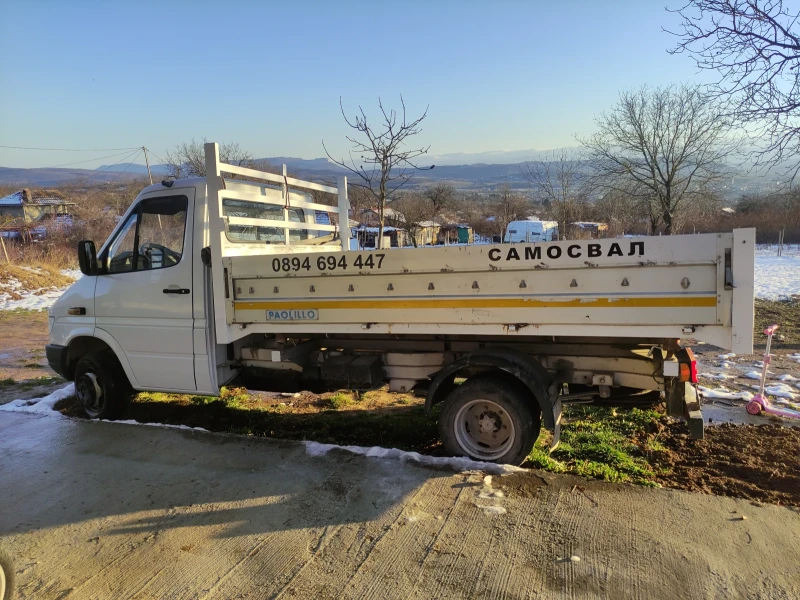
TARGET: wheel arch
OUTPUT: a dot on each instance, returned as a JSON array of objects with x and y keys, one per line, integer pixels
[
  {"x": 509, "y": 364},
  {"x": 83, "y": 344}
]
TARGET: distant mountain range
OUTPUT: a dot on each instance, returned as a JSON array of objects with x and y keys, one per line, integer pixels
[
  {"x": 462, "y": 176},
  {"x": 501, "y": 167}
]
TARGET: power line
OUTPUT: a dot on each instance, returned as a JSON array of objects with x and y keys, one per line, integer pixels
[
  {"x": 68, "y": 149},
  {"x": 130, "y": 162},
  {"x": 163, "y": 162},
  {"x": 85, "y": 161},
  {"x": 133, "y": 154}
]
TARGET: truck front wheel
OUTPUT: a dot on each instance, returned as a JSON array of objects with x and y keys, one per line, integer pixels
[
  {"x": 101, "y": 386},
  {"x": 489, "y": 420}
]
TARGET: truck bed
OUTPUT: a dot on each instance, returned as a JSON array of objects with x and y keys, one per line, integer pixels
[{"x": 697, "y": 287}]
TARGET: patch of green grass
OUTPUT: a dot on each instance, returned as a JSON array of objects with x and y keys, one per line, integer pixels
[
  {"x": 653, "y": 445},
  {"x": 234, "y": 397},
  {"x": 203, "y": 400},
  {"x": 340, "y": 400},
  {"x": 599, "y": 443},
  {"x": 157, "y": 397},
  {"x": 7, "y": 382}
]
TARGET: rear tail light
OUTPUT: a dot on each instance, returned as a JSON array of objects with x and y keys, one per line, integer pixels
[{"x": 688, "y": 367}]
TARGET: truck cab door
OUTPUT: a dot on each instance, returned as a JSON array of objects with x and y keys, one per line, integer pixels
[{"x": 143, "y": 297}]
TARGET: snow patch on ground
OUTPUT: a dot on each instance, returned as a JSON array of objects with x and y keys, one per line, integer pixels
[
  {"x": 777, "y": 277},
  {"x": 46, "y": 406},
  {"x": 43, "y": 406},
  {"x": 722, "y": 376},
  {"x": 753, "y": 375},
  {"x": 782, "y": 391},
  {"x": 788, "y": 377},
  {"x": 455, "y": 463},
  {"x": 165, "y": 425},
  {"x": 724, "y": 394},
  {"x": 41, "y": 299},
  {"x": 728, "y": 356}
]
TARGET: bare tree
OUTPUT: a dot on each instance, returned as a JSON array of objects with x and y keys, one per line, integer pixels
[
  {"x": 621, "y": 211},
  {"x": 754, "y": 45},
  {"x": 508, "y": 206},
  {"x": 189, "y": 159},
  {"x": 410, "y": 212},
  {"x": 379, "y": 156},
  {"x": 666, "y": 146},
  {"x": 558, "y": 183},
  {"x": 441, "y": 197}
]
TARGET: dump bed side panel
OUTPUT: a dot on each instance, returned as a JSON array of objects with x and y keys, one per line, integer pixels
[{"x": 635, "y": 287}]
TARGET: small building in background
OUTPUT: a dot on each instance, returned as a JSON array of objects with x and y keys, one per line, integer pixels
[
  {"x": 29, "y": 206},
  {"x": 583, "y": 229},
  {"x": 29, "y": 213},
  {"x": 393, "y": 237},
  {"x": 455, "y": 233}
]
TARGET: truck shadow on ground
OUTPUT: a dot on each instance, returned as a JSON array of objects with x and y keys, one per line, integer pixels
[
  {"x": 150, "y": 480},
  {"x": 402, "y": 427}
]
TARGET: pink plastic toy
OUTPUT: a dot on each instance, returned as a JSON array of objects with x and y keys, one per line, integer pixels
[{"x": 760, "y": 402}]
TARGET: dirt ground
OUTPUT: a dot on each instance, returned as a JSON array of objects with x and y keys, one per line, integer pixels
[
  {"x": 24, "y": 372},
  {"x": 757, "y": 462}
]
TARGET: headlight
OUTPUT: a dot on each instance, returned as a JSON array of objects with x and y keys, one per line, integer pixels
[{"x": 50, "y": 322}]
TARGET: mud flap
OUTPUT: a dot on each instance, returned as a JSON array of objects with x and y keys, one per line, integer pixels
[{"x": 683, "y": 401}]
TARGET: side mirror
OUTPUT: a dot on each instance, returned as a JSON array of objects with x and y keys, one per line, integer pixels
[{"x": 87, "y": 257}]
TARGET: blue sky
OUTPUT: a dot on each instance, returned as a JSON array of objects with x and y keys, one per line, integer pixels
[{"x": 496, "y": 75}]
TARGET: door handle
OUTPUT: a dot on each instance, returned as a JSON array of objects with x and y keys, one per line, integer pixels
[{"x": 176, "y": 291}]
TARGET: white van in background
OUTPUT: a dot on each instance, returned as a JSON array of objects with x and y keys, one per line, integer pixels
[{"x": 531, "y": 231}]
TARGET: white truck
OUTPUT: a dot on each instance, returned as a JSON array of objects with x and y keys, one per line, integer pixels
[{"x": 214, "y": 280}]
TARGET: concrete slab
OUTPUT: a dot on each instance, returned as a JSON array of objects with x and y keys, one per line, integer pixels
[{"x": 101, "y": 510}]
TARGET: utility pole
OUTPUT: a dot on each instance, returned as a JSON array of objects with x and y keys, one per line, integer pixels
[{"x": 147, "y": 162}]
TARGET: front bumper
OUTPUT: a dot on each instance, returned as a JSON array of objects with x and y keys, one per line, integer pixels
[{"x": 57, "y": 359}]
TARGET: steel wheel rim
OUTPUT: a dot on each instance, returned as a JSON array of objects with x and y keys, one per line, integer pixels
[
  {"x": 484, "y": 429},
  {"x": 90, "y": 394}
]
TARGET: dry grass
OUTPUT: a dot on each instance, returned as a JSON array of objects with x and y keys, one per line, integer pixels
[{"x": 36, "y": 278}]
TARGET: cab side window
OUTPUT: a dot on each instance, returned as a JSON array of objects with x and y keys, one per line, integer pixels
[{"x": 152, "y": 237}]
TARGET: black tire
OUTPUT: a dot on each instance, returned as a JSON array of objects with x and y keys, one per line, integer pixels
[
  {"x": 490, "y": 420},
  {"x": 6, "y": 576},
  {"x": 102, "y": 386}
]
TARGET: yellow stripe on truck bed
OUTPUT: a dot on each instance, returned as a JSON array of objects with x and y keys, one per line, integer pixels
[{"x": 664, "y": 302}]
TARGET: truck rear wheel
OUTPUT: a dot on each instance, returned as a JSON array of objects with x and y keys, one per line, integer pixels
[
  {"x": 489, "y": 420},
  {"x": 101, "y": 386}
]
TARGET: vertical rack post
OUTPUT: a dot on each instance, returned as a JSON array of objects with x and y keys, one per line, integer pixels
[
  {"x": 285, "y": 205},
  {"x": 344, "y": 213},
  {"x": 216, "y": 229}
]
